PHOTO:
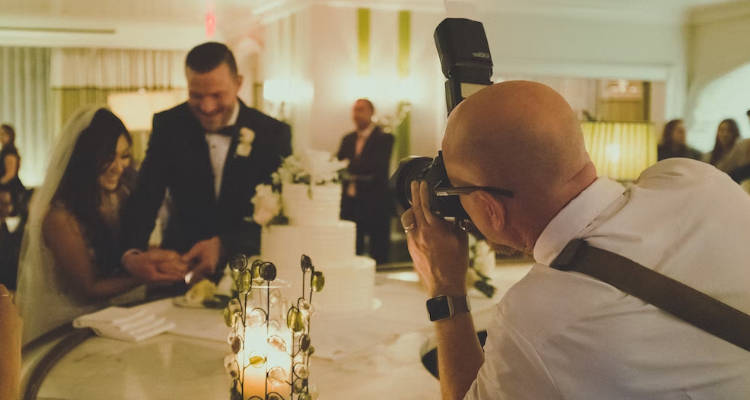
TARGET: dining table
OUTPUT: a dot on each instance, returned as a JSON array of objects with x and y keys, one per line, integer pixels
[{"x": 378, "y": 353}]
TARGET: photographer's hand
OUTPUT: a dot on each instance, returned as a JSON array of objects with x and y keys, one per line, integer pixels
[{"x": 439, "y": 250}]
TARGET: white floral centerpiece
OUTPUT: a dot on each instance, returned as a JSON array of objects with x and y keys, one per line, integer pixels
[
  {"x": 305, "y": 184},
  {"x": 266, "y": 204},
  {"x": 311, "y": 167},
  {"x": 481, "y": 263}
]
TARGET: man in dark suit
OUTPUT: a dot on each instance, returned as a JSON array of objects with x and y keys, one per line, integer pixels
[
  {"x": 208, "y": 153},
  {"x": 365, "y": 197}
]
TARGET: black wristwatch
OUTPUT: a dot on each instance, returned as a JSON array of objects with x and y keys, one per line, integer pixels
[{"x": 443, "y": 307}]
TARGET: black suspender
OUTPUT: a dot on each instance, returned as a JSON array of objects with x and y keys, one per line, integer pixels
[{"x": 678, "y": 299}]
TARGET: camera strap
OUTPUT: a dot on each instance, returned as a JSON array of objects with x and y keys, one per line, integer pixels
[{"x": 674, "y": 297}]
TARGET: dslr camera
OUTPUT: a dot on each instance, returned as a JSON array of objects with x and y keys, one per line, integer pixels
[{"x": 467, "y": 65}]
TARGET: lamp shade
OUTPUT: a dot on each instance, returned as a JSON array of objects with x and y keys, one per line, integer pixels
[
  {"x": 136, "y": 109},
  {"x": 620, "y": 150}
]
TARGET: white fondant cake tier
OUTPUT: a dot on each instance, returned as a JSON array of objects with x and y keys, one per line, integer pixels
[
  {"x": 311, "y": 205},
  {"x": 349, "y": 288},
  {"x": 323, "y": 243},
  {"x": 350, "y": 279}
]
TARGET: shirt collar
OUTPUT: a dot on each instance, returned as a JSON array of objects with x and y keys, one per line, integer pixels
[
  {"x": 235, "y": 113},
  {"x": 576, "y": 216},
  {"x": 232, "y": 121},
  {"x": 367, "y": 131}
]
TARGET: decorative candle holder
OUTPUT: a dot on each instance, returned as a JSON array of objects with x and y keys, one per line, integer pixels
[{"x": 270, "y": 341}]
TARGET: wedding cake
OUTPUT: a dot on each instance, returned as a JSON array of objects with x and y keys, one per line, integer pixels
[{"x": 314, "y": 228}]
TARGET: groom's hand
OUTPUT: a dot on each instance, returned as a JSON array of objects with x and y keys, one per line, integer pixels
[
  {"x": 202, "y": 258},
  {"x": 155, "y": 265}
]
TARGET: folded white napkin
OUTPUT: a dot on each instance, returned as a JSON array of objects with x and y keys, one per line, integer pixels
[{"x": 129, "y": 324}]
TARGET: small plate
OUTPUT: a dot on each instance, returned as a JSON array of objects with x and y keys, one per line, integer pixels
[{"x": 217, "y": 302}]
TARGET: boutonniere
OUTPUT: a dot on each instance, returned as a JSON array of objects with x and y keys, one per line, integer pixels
[{"x": 245, "y": 145}]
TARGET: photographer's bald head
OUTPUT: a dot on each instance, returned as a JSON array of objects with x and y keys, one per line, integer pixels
[{"x": 521, "y": 136}]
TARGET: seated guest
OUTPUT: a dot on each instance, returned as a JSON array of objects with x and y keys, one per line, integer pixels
[
  {"x": 70, "y": 256},
  {"x": 737, "y": 162},
  {"x": 10, "y": 347},
  {"x": 10, "y": 241},
  {"x": 727, "y": 135},
  {"x": 565, "y": 335},
  {"x": 673, "y": 142},
  {"x": 10, "y": 162}
]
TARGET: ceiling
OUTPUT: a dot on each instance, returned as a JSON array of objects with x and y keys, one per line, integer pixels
[
  {"x": 193, "y": 11},
  {"x": 178, "y": 24}
]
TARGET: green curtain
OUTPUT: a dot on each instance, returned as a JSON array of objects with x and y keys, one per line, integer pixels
[
  {"x": 25, "y": 103},
  {"x": 67, "y": 100},
  {"x": 402, "y": 131},
  {"x": 404, "y": 42},
  {"x": 363, "y": 41}
]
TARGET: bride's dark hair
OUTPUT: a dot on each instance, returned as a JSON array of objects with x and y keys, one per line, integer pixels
[{"x": 79, "y": 189}]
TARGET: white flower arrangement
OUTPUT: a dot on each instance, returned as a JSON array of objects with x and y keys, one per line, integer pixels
[
  {"x": 481, "y": 264},
  {"x": 311, "y": 167},
  {"x": 266, "y": 204}
]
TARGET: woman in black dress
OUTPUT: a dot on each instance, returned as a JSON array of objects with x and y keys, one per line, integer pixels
[{"x": 10, "y": 162}]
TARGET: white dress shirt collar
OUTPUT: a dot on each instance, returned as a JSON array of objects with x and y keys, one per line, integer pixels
[
  {"x": 365, "y": 133},
  {"x": 218, "y": 146},
  {"x": 573, "y": 219},
  {"x": 235, "y": 113}
]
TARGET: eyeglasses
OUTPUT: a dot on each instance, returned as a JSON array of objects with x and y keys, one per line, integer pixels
[{"x": 455, "y": 191}]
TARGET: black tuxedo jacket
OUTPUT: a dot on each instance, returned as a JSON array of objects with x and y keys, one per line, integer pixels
[
  {"x": 369, "y": 171},
  {"x": 178, "y": 160}
]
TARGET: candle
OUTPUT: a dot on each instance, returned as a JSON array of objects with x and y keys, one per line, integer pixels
[{"x": 266, "y": 351}]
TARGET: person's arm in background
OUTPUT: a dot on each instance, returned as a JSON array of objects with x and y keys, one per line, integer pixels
[
  {"x": 10, "y": 347},
  {"x": 11, "y": 168},
  {"x": 341, "y": 154},
  {"x": 737, "y": 156},
  {"x": 441, "y": 257},
  {"x": 383, "y": 161}
]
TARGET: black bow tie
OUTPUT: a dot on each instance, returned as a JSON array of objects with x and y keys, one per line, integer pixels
[{"x": 228, "y": 130}]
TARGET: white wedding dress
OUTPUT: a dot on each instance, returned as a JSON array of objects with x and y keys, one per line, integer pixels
[{"x": 44, "y": 300}]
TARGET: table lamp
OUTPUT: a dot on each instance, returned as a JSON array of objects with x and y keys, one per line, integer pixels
[{"x": 620, "y": 150}]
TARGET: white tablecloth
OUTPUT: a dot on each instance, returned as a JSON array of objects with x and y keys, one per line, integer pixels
[{"x": 376, "y": 355}]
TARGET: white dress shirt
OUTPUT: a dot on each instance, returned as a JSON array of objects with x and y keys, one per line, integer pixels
[
  {"x": 218, "y": 147},
  {"x": 564, "y": 335}
]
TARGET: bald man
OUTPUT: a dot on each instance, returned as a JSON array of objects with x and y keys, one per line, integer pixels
[{"x": 563, "y": 335}]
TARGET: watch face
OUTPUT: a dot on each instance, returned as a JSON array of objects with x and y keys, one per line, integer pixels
[{"x": 438, "y": 308}]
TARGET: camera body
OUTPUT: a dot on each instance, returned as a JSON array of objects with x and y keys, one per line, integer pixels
[{"x": 467, "y": 65}]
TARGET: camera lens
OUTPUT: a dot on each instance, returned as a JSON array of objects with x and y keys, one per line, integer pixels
[
  {"x": 409, "y": 169},
  {"x": 433, "y": 172}
]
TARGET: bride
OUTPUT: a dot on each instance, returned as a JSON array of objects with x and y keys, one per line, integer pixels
[{"x": 70, "y": 256}]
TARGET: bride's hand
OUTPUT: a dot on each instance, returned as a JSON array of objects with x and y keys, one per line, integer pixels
[{"x": 156, "y": 265}]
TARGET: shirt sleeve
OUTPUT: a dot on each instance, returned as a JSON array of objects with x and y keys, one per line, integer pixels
[{"x": 512, "y": 369}]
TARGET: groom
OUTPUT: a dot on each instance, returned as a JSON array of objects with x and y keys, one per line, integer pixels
[{"x": 208, "y": 154}]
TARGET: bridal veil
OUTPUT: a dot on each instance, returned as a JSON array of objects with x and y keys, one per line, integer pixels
[{"x": 43, "y": 298}]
